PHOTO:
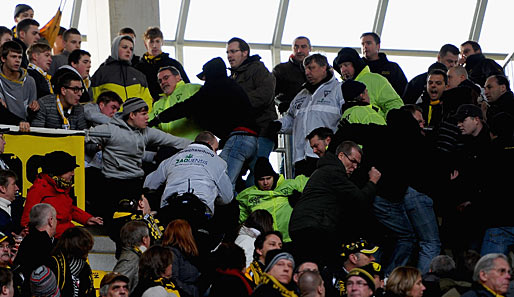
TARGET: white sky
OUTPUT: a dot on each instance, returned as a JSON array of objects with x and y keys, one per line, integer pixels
[{"x": 409, "y": 24}]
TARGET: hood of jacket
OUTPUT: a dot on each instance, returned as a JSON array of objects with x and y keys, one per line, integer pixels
[
  {"x": 115, "y": 45},
  {"x": 20, "y": 80},
  {"x": 215, "y": 68},
  {"x": 348, "y": 54}
]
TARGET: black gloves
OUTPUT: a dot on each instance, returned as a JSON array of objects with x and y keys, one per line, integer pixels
[
  {"x": 283, "y": 107},
  {"x": 294, "y": 197}
]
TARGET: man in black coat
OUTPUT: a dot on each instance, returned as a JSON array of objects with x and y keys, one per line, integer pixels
[
  {"x": 499, "y": 97},
  {"x": 329, "y": 202},
  {"x": 36, "y": 247},
  {"x": 478, "y": 66},
  {"x": 378, "y": 62},
  {"x": 290, "y": 75}
]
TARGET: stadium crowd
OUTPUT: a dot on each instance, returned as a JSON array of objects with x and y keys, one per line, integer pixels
[{"x": 400, "y": 187}]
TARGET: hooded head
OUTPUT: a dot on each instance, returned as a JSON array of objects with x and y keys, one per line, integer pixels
[
  {"x": 348, "y": 54},
  {"x": 116, "y": 44},
  {"x": 215, "y": 68}
]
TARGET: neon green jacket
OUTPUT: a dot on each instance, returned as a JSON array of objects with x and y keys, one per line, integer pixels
[
  {"x": 274, "y": 201},
  {"x": 363, "y": 115},
  {"x": 381, "y": 93},
  {"x": 184, "y": 127}
]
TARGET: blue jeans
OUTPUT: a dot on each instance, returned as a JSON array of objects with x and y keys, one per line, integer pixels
[
  {"x": 264, "y": 149},
  {"x": 420, "y": 210},
  {"x": 497, "y": 240},
  {"x": 238, "y": 149},
  {"x": 394, "y": 218}
]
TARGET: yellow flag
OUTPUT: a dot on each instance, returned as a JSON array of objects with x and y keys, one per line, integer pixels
[{"x": 51, "y": 29}]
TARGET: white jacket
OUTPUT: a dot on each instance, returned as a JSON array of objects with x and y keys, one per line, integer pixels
[
  {"x": 196, "y": 168},
  {"x": 310, "y": 111}
]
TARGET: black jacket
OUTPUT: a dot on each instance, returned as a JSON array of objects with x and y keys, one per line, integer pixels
[
  {"x": 390, "y": 70},
  {"x": 477, "y": 290},
  {"x": 150, "y": 67},
  {"x": 479, "y": 68},
  {"x": 392, "y": 149},
  {"x": 43, "y": 88},
  {"x": 290, "y": 76},
  {"x": 34, "y": 251},
  {"x": 330, "y": 199},
  {"x": 220, "y": 105},
  {"x": 505, "y": 103}
]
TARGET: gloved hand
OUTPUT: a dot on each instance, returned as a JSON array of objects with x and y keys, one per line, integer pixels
[
  {"x": 274, "y": 127},
  {"x": 283, "y": 107},
  {"x": 154, "y": 122},
  {"x": 294, "y": 197}
]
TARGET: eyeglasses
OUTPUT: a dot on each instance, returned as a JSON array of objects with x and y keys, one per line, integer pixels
[
  {"x": 352, "y": 160},
  {"x": 233, "y": 51},
  {"x": 359, "y": 284},
  {"x": 75, "y": 90}
]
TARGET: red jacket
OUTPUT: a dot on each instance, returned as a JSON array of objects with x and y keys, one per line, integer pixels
[{"x": 45, "y": 190}]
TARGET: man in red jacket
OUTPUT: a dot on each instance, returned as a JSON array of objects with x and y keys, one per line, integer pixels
[{"x": 53, "y": 186}]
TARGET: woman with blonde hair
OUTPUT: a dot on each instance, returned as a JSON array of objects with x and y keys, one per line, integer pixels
[
  {"x": 405, "y": 281},
  {"x": 179, "y": 237}
]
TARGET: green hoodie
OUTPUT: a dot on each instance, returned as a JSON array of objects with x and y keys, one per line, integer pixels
[{"x": 274, "y": 201}]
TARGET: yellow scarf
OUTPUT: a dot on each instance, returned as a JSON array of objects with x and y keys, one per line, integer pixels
[
  {"x": 66, "y": 123},
  {"x": 432, "y": 103},
  {"x": 266, "y": 278},
  {"x": 44, "y": 74},
  {"x": 254, "y": 272}
]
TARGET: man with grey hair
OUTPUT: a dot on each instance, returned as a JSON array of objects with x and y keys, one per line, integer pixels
[
  {"x": 135, "y": 239},
  {"x": 318, "y": 104},
  {"x": 36, "y": 247},
  {"x": 310, "y": 284},
  {"x": 491, "y": 276}
]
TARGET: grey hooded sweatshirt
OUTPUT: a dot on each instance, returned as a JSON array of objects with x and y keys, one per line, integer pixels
[
  {"x": 18, "y": 94},
  {"x": 123, "y": 151}
]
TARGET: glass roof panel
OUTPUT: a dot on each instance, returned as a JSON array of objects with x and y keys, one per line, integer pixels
[
  {"x": 497, "y": 19},
  {"x": 168, "y": 15},
  {"x": 221, "y": 20},
  {"x": 329, "y": 22},
  {"x": 426, "y": 25}
]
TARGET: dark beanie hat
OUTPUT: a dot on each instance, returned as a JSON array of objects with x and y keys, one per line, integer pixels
[
  {"x": 21, "y": 8},
  {"x": 133, "y": 104},
  {"x": 348, "y": 54},
  {"x": 365, "y": 272},
  {"x": 58, "y": 162},
  {"x": 352, "y": 89},
  {"x": 263, "y": 168},
  {"x": 216, "y": 67},
  {"x": 273, "y": 256},
  {"x": 43, "y": 282}
]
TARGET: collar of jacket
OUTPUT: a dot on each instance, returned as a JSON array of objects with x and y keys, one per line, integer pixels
[
  {"x": 313, "y": 88},
  {"x": 179, "y": 85},
  {"x": 382, "y": 59},
  {"x": 152, "y": 59},
  {"x": 244, "y": 65},
  {"x": 294, "y": 62},
  {"x": 52, "y": 182}
]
